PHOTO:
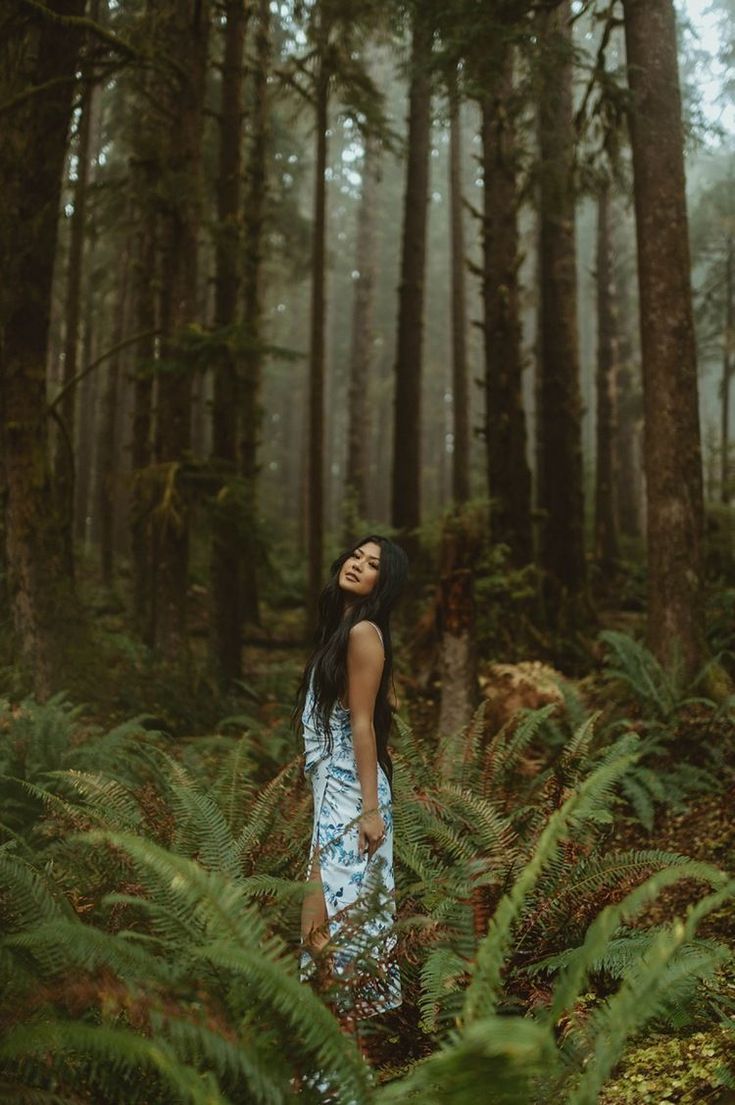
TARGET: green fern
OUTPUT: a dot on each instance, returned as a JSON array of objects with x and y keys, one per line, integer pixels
[
  {"x": 114, "y": 1052},
  {"x": 643, "y": 991},
  {"x": 483, "y": 991}
]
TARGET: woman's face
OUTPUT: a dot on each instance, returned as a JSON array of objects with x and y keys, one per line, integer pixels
[{"x": 359, "y": 573}]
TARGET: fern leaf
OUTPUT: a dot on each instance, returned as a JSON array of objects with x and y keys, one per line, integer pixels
[
  {"x": 482, "y": 992},
  {"x": 115, "y": 1050},
  {"x": 642, "y": 994},
  {"x": 608, "y": 921}
]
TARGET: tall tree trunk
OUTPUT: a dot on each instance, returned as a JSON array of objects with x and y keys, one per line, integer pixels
[
  {"x": 727, "y": 350},
  {"x": 361, "y": 358},
  {"x": 108, "y": 440},
  {"x": 455, "y": 623},
  {"x": 406, "y": 481},
  {"x": 315, "y": 513},
  {"x": 84, "y": 445},
  {"x": 560, "y": 477},
  {"x": 629, "y": 484},
  {"x": 184, "y": 32},
  {"x": 88, "y": 393},
  {"x": 36, "y": 52},
  {"x": 508, "y": 473},
  {"x": 226, "y": 620},
  {"x": 672, "y": 448},
  {"x": 628, "y": 457},
  {"x": 460, "y": 407},
  {"x": 606, "y": 524},
  {"x": 144, "y": 278},
  {"x": 64, "y": 462},
  {"x": 252, "y": 365}
]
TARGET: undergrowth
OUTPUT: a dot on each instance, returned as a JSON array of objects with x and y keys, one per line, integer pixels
[{"x": 151, "y": 891}]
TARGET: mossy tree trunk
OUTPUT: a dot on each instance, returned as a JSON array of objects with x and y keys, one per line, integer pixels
[
  {"x": 183, "y": 32},
  {"x": 87, "y": 387},
  {"x": 108, "y": 443},
  {"x": 455, "y": 624},
  {"x": 460, "y": 389},
  {"x": 406, "y": 478},
  {"x": 315, "y": 487},
  {"x": 226, "y": 616},
  {"x": 606, "y": 524},
  {"x": 38, "y": 53},
  {"x": 64, "y": 461},
  {"x": 728, "y": 345},
  {"x": 508, "y": 472},
  {"x": 559, "y": 418},
  {"x": 144, "y": 306},
  {"x": 361, "y": 354},
  {"x": 672, "y": 447},
  {"x": 252, "y": 363},
  {"x": 628, "y": 430}
]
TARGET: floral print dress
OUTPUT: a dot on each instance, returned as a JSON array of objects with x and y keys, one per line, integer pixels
[{"x": 359, "y": 893}]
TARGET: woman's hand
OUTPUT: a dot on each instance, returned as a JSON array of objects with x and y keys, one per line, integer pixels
[{"x": 371, "y": 834}]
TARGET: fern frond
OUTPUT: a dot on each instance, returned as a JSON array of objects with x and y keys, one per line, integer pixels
[
  {"x": 609, "y": 920},
  {"x": 110, "y": 800},
  {"x": 488, "y": 828},
  {"x": 316, "y": 1029},
  {"x": 482, "y": 992},
  {"x": 201, "y": 902},
  {"x": 27, "y": 897},
  {"x": 441, "y": 975},
  {"x": 110, "y": 1051},
  {"x": 264, "y": 812},
  {"x": 595, "y": 875},
  {"x": 504, "y": 1053},
  {"x": 643, "y": 992}
]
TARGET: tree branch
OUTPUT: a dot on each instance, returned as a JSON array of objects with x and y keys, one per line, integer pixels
[
  {"x": 81, "y": 22},
  {"x": 95, "y": 364}
]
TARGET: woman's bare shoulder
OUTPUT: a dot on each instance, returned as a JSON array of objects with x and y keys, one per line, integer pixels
[{"x": 364, "y": 639}]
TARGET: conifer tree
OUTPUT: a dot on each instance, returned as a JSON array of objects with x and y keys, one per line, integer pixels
[
  {"x": 406, "y": 482},
  {"x": 672, "y": 448},
  {"x": 560, "y": 491},
  {"x": 38, "y": 64}
]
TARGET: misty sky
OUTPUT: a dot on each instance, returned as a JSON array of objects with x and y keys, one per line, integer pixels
[{"x": 708, "y": 29}]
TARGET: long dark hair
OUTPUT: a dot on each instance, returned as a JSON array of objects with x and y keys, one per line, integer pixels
[{"x": 328, "y": 660}]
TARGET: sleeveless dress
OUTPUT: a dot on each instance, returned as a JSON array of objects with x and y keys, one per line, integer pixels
[{"x": 359, "y": 893}]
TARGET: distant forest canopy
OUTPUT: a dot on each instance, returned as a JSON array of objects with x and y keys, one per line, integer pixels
[{"x": 276, "y": 275}]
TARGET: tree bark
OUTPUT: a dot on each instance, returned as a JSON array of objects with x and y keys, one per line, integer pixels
[
  {"x": 108, "y": 440},
  {"x": 460, "y": 408},
  {"x": 406, "y": 480},
  {"x": 560, "y": 478},
  {"x": 252, "y": 365},
  {"x": 64, "y": 462},
  {"x": 628, "y": 435},
  {"x": 606, "y": 524},
  {"x": 455, "y": 623},
  {"x": 361, "y": 358},
  {"x": 727, "y": 349},
  {"x": 672, "y": 447},
  {"x": 508, "y": 473},
  {"x": 184, "y": 32},
  {"x": 36, "y": 52},
  {"x": 84, "y": 447},
  {"x": 315, "y": 493},
  {"x": 144, "y": 279},
  {"x": 226, "y": 620}
]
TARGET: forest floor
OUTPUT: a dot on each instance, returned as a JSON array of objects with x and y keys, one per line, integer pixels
[{"x": 121, "y": 683}]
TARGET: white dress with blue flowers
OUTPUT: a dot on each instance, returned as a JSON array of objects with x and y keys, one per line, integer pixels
[{"x": 359, "y": 893}]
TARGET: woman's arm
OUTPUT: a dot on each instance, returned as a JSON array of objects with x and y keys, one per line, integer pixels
[{"x": 365, "y": 660}]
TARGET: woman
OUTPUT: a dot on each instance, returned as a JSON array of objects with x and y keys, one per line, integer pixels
[{"x": 345, "y": 707}]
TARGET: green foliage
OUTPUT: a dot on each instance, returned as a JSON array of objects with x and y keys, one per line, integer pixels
[
  {"x": 150, "y": 910},
  {"x": 666, "y": 711}
]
